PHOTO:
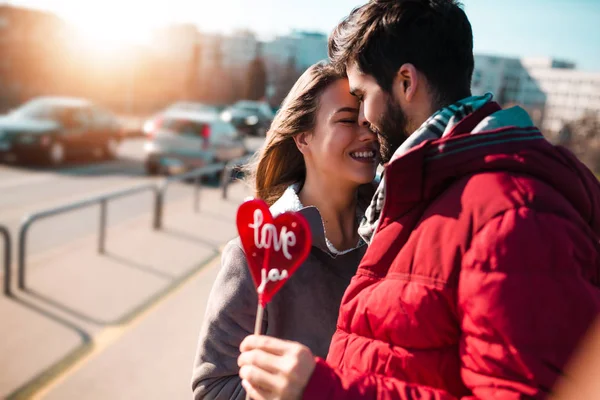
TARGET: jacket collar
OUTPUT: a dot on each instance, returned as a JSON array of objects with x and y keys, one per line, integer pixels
[
  {"x": 502, "y": 140},
  {"x": 290, "y": 201}
]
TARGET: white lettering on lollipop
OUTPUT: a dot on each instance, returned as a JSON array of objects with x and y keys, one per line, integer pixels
[
  {"x": 273, "y": 276},
  {"x": 265, "y": 236}
]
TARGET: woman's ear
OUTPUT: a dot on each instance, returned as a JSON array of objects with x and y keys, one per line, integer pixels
[{"x": 302, "y": 141}]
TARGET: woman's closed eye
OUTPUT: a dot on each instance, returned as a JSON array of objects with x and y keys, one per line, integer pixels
[{"x": 346, "y": 115}]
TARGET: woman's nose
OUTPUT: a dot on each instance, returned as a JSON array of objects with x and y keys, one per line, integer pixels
[{"x": 366, "y": 134}]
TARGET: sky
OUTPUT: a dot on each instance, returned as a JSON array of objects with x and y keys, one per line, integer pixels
[{"x": 565, "y": 29}]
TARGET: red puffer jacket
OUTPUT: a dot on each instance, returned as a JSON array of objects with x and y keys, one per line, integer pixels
[{"x": 481, "y": 280}]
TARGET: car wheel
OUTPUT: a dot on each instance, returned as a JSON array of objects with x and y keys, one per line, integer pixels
[
  {"x": 56, "y": 154},
  {"x": 152, "y": 168},
  {"x": 111, "y": 148}
]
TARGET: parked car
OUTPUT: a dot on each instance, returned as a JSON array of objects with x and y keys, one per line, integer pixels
[
  {"x": 154, "y": 122},
  {"x": 51, "y": 129},
  {"x": 249, "y": 117},
  {"x": 194, "y": 106},
  {"x": 187, "y": 140},
  {"x": 131, "y": 126}
]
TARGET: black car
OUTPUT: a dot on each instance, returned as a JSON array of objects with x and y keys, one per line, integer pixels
[
  {"x": 50, "y": 129},
  {"x": 249, "y": 117}
]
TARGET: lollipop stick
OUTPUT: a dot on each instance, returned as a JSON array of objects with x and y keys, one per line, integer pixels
[
  {"x": 260, "y": 310},
  {"x": 257, "y": 327},
  {"x": 260, "y": 290},
  {"x": 259, "y": 317}
]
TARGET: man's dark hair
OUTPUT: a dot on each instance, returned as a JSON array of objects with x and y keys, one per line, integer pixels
[{"x": 433, "y": 35}]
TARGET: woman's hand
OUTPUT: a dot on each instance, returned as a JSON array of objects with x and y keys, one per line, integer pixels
[{"x": 274, "y": 369}]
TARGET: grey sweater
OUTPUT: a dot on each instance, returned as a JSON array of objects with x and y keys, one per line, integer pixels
[{"x": 304, "y": 310}]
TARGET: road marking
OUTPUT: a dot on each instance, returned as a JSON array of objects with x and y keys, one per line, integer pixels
[
  {"x": 50, "y": 175},
  {"x": 26, "y": 180},
  {"x": 17, "y": 213},
  {"x": 36, "y": 176}
]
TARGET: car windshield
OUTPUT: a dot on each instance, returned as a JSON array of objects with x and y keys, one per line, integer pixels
[
  {"x": 36, "y": 109},
  {"x": 253, "y": 107},
  {"x": 194, "y": 107},
  {"x": 183, "y": 126}
]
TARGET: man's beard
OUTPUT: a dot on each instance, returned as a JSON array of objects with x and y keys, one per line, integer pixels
[{"x": 391, "y": 130}]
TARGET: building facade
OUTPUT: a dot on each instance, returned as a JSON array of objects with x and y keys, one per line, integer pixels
[
  {"x": 30, "y": 41},
  {"x": 304, "y": 48},
  {"x": 553, "y": 91}
]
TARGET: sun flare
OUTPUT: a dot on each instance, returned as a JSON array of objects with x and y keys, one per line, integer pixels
[{"x": 103, "y": 32}]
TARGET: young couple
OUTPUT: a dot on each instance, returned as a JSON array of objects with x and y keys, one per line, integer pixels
[{"x": 473, "y": 271}]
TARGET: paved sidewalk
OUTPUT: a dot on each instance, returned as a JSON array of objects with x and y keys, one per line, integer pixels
[
  {"x": 119, "y": 325},
  {"x": 152, "y": 358}
]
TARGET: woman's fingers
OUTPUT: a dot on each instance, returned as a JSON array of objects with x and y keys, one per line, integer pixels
[
  {"x": 263, "y": 382},
  {"x": 275, "y": 369},
  {"x": 261, "y": 359},
  {"x": 252, "y": 391},
  {"x": 266, "y": 343}
]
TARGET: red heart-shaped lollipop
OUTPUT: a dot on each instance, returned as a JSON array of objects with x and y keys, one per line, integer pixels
[{"x": 274, "y": 247}]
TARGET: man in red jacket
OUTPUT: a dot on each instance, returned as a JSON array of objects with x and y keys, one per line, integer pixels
[{"x": 483, "y": 270}]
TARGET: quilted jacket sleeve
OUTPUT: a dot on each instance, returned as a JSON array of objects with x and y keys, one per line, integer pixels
[
  {"x": 524, "y": 302},
  {"x": 229, "y": 318}
]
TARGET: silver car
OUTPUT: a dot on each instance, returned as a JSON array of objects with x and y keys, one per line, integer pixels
[{"x": 187, "y": 140}]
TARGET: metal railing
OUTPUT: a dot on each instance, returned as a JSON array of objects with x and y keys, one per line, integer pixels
[
  {"x": 101, "y": 200},
  {"x": 230, "y": 168},
  {"x": 7, "y": 258},
  {"x": 195, "y": 175}
]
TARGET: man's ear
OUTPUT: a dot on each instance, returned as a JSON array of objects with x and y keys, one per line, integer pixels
[
  {"x": 302, "y": 140},
  {"x": 406, "y": 82}
]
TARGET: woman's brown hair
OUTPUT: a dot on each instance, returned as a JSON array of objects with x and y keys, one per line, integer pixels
[{"x": 280, "y": 163}]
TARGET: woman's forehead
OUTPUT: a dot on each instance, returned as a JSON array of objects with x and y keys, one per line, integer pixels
[{"x": 337, "y": 95}]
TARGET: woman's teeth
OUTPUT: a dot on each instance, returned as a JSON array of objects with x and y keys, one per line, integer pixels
[{"x": 363, "y": 154}]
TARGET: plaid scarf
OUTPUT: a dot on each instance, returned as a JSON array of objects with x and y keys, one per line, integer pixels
[{"x": 438, "y": 125}]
